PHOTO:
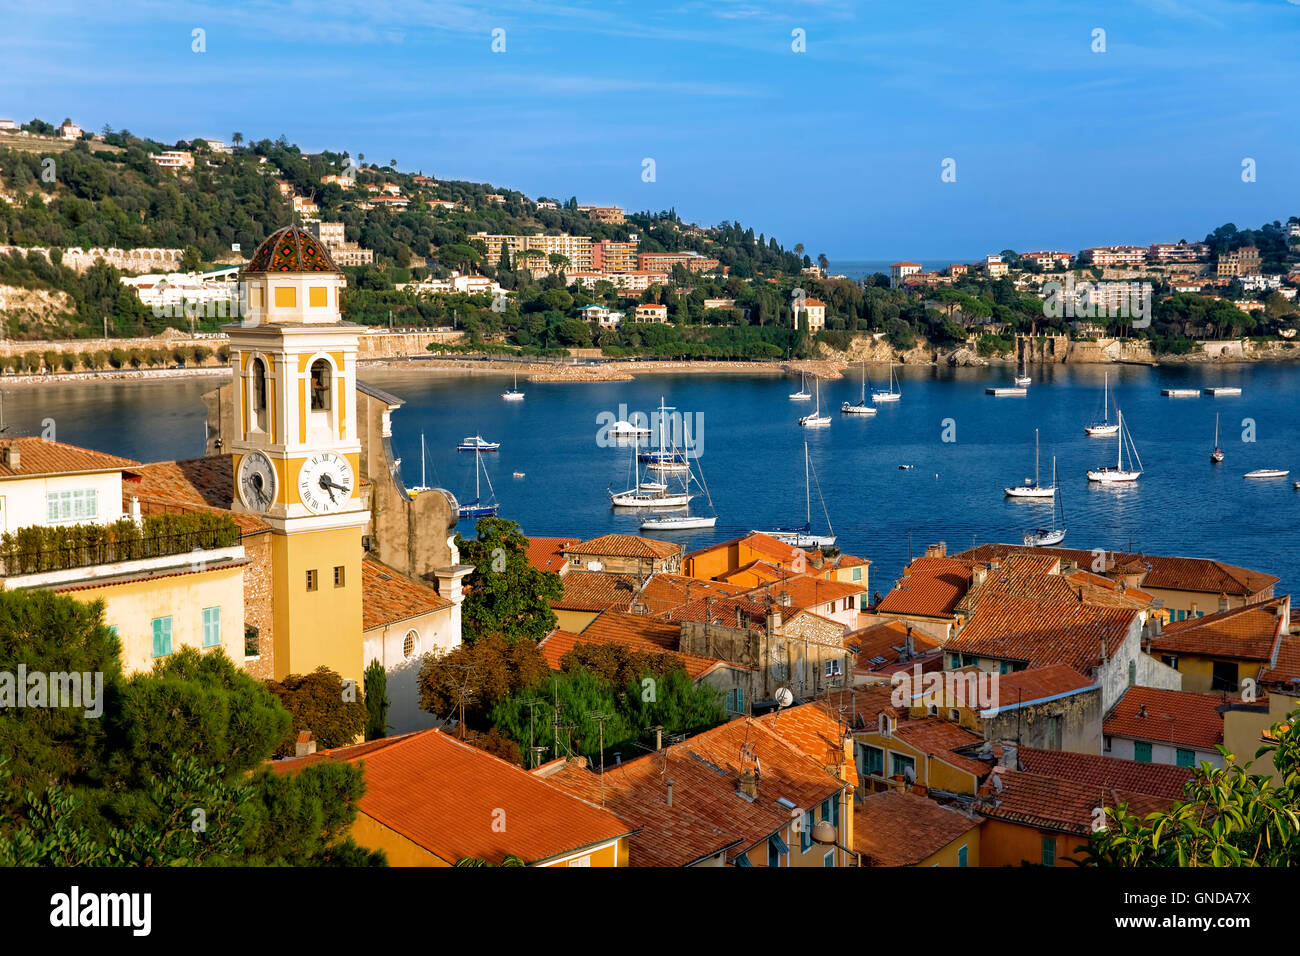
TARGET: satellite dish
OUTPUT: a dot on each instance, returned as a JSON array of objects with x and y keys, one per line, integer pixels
[{"x": 784, "y": 697}]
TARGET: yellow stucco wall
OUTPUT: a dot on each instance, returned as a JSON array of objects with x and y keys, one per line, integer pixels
[
  {"x": 320, "y": 627},
  {"x": 1198, "y": 672},
  {"x": 930, "y": 772},
  {"x": 1243, "y": 732},
  {"x": 948, "y": 855},
  {"x": 1010, "y": 844},
  {"x": 132, "y": 607}
]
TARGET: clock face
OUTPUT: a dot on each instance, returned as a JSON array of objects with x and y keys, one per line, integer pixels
[
  {"x": 257, "y": 482},
  {"x": 325, "y": 482}
]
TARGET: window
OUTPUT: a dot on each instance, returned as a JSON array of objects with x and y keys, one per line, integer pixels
[
  {"x": 857, "y": 574},
  {"x": 286, "y": 297},
  {"x": 1105, "y": 745},
  {"x": 311, "y": 580},
  {"x": 873, "y": 760},
  {"x": 1223, "y": 604},
  {"x": 805, "y": 831},
  {"x": 1142, "y": 751},
  {"x": 829, "y": 859},
  {"x": 338, "y": 576},
  {"x": 1224, "y": 677},
  {"x": 211, "y": 626},
  {"x": 961, "y": 855},
  {"x": 162, "y": 636},
  {"x": 259, "y": 392},
  {"x": 954, "y": 715},
  {"x": 901, "y": 764},
  {"x": 251, "y": 635},
  {"x": 776, "y": 850},
  {"x": 736, "y": 700},
  {"x": 320, "y": 386},
  {"x": 79, "y": 504},
  {"x": 1170, "y": 660},
  {"x": 832, "y": 667},
  {"x": 410, "y": 643},
  {"x": 1054, "y": 732},
  {"x": 1186, "y": 758},
  {"x": 577, "y": 861},
  {"x": 318, "y": 297},
  {"x": 1048, "y": 850}
]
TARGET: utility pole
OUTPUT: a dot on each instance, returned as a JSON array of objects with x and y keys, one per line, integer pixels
[{"x": 600, "y": 719}]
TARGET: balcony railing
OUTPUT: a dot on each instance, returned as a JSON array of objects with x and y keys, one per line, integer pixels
[{"x": 39, "y": 548}]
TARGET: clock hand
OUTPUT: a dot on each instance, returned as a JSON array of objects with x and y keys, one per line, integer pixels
[{"x": 327, "y": 483}]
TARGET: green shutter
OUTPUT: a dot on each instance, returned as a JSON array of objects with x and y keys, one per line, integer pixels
[
  {"x": 1049, "y": 851},
  {"x": 1186, "y": 758},
  {"x": 162, "y": 636},
  {"x": 961, "y": 855},
  {"x": 1142, "y": 751},
  {"x": 211, "y": 626}
]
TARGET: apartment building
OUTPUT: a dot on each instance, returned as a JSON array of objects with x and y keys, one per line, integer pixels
[
  {"x": 173, "y": 159},
  {"x": 664, "y": 262},
  {"x": 613, "y": 215},
  {"x": 1182, "y": 251},
  {"x": 1115, "y": 256},
  {"x": 577, "y": 249},
  {"x": 1239, "y": 262},
  {"x": 607, "y": 256}
]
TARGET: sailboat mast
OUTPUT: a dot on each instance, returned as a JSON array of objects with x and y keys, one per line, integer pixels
[
  {"x": 478, "y": 496},
  {"x": 1119, "y": 444},
  {"x": 424, "y": 483},
  {"x": 807, "y": 487},
  {"x": 1036, "y": 460}
]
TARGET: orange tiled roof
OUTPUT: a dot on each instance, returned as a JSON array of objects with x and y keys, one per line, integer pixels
[
  {"x": 40, "y": 456},
  {"x": 945, "y": 740},
  {"x": 708, "y": 814},
  {"x": 805, "y": 591},
  {"x": 596, "y": 591},
  {"x": 626, "y": 546},
  {"x": 1051, "y": 803},
  {"x": 1041, "y": 633},
  {"x": 1172, "y": 716},
  {"x": 815, "y": 728},
  {"x": 633, "y": 629},
  {"x": 389, "y": 596},
  {"x": 672, "y": 596},
  {"x": 929, "y": 587},
  {"x": 443, "y": 795},
  {"x": 1157, "y": 779},
  {"x": 1035, "y": 684},
  {"x": 764, "y": 544},
  {"x": 1286, "y": 672},
  {"x": 860, "y": 707},
  {"x": 881, "y": 645},
  {"x": 547, "y": 554},
  {"x": 1247, "y": 633},
  {"x": 895, "y": 828},
  {"x": 206, "y": 483}
]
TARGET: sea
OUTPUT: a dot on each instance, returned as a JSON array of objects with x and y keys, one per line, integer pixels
[{"x": 557, "y": 462}]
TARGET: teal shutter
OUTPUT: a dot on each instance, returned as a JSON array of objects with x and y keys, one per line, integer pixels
[
  {"x": 740, "y": 700},
  {"x": 1142, "y": 751},
  {"x": 1186, "y": 758},
  {"x": 961, "y": 855},
  {"x": 162, "y": 636},
  {"x": 211, "y": 626},
  {"x": 1049, "y": 851}
]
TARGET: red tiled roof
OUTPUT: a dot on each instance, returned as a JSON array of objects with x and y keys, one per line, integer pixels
[
  {"x": 1042, "y": 633},
  {"x": 1172, "y": 716},
  {"x": 389, "y": 596},
  {"x": 206, "y": 483},
  {"x": 558, "y": 643},
  {"x": 1161, "y": 780},
  {"x": 896, "y": 828},
  {"x": 1052, "y": 803},
  {"x": 634, "y": 629},
  {"x": 445, "y": 795},
  {"x": 805, "y": 591},
  {"x": 1247, "y": 633},
  {"x": 1032, "y": 685},
  {"x": 1286, "y": 672},
  {"x": 943, "y": 739},
  {"x": 930, "y": 587},
  {"x": 708, "y": 814},
  {"x": 40, "y": 456},
  {"x": 547, "y": 554},
  {"x": 626, "y": 546},
  {"x": 814, "y": 728},
  {"x": 881, "y": 645},
  {"x": 596, "y": 591}
]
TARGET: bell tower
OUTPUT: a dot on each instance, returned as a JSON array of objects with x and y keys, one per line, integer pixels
[{"x": 296, "y": 452}]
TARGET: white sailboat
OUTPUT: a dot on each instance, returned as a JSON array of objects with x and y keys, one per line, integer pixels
[
  {"x": 650, "y": 494},
  {"x": 803, "y": 394},
  {"x": 514, "y": 395},
  {"x": 1119, "y": 473},
  {"x": 816, "y": 419},
  {"x": 667, "y": 522},
  {"x": 893, "y": 395},
  {"x": 478, "y": 508},
  {"x": 1031, "y": 488},
  {"x": 803, "y": 537},
  {"x": 1105, "y": 426},
  {"x": 424, "y": 484},
  {"x": 665, "y": 459},
  {"x": 1045, "y": 537},
  {"x": 1216, "y": 456},
  {"x": 862, "y": 407}
]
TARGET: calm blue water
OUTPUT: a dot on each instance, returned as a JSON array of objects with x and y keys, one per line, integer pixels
[{"x": 752, "y": 454}]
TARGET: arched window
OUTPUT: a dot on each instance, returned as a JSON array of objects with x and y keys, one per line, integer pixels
[
  {"x": 411, "y": 644},
  {"x": 257, "y": 404},
  {"x": 320, "y": 386}
]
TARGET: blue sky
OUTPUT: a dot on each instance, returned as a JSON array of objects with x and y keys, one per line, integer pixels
[{"x": 839, "y": 147}]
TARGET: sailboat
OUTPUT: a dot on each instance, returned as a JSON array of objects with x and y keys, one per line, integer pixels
[
  {"x": 664, "y": 460},
  {"x": 1031, "y": 488},
  {"x": 1216, "y": 456},
  {"x": 1119, "y": 473},
  {"x": 424, "y": 484},
  {"x": 666, "y": 522},
  {"x": 514, "y": 395},
  {"x": 1043, "y": 537},
  {"x": 803, "y": 537},
  {"x": 477, "y": 508},
  {"x": 803, "y": 394},
  {"x": 893, "y": 395},
  {"x": 862, "y": 407},
  {"x": 648, "y": 494},
  {"x": 1105, "y": 426},
  {"x": 816, "y": 419}
]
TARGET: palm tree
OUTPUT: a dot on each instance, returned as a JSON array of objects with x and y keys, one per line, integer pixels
[
  {"x": 237, "y": 138},
  {"x": 393, "y": 163},
  {"x": 798, "y": 249},
  {"x": 823, "y": 262}
]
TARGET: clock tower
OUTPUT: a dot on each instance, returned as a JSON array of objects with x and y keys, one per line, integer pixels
[{"x": 296, "y": 452}]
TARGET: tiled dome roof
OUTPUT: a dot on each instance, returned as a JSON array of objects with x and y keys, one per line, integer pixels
[{"x": 291, "y": 250}]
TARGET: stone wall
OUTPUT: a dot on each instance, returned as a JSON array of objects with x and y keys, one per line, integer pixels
[
  {"x": 380, "y": 345},
  {"x": 128, "y": 260},
  {"x": 257, "y": 604}
]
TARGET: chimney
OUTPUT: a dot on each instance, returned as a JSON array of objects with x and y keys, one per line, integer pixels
[
  {"x": 11, "y": 456},
  {"x": 908, "y": 649},
  {"x": 1010, "y": 758},
  {"x": 747, "y": 784},
  {"x": 937, "y": 550},
  {"x": 305, "y": 745},
  {"x": 979, "y": 575},
  {"x": 1142, "y": 710},
  {"x": 579, "y": 763},
  {"x": 995, "y": 563},
  {"x": 670, "y": 791}
]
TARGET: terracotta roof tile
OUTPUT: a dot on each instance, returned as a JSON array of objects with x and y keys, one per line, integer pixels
[
  {"x": 1053, "y": 803},
  {"x": 805, "y": 591},
  {"x": 547, "y": 554},
  {"x": 389, "y": 596},
  {"x": 881, "y": 646},
  {"x": 596, "y": 591},
  {"x": 896, "y": 828},
  {"x": 443, "y": 795},
  {"x": 626, "y": 546},
  {"x": 1172, "y": 716},
  {"x": 1042, "y": 633},
  {"x": 1161, "y": 780},
  {"x": 40, "y": 456},
  {"x": 1036, "y": 684},
  {"x": 1286, "y": 672},
  {"x": 929, "y": 587},
  {"x": 1247, "y": 633},
  {"x": 204, "y": 484}
]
